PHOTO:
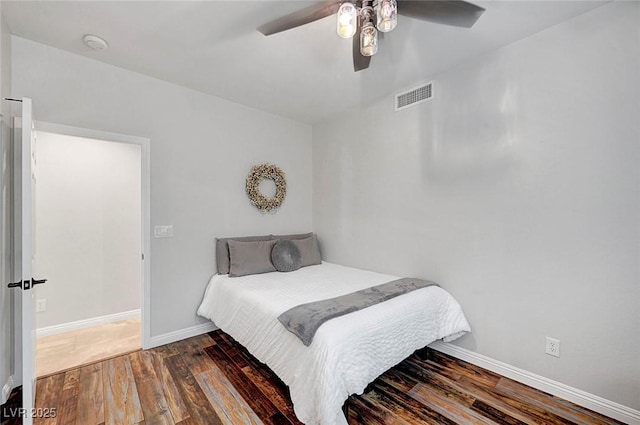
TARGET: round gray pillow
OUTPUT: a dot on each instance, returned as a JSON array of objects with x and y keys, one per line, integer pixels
[{"x": 285, "y": 256}]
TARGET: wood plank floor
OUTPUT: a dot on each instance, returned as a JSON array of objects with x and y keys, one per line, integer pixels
[
  {"x": 56, "y": 353},
  {"x": 210, "y": 379}
]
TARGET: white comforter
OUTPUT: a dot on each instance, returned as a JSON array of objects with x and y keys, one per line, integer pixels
[{"x": 348, "y": 352}]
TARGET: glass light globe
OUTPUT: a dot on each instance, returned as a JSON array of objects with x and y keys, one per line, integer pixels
[
  {"x": 368, "y": 40},
  {"x": 386, "y": 15},
  {"x": 347, "y": 20}
]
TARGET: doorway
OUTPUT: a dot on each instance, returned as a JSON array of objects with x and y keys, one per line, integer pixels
[{"x": 90, "y": 238}]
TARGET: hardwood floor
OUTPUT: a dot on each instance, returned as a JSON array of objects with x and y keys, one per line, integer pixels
[
  {"x": 210, "y": 379},
  {"x": 56, "y": 353}
]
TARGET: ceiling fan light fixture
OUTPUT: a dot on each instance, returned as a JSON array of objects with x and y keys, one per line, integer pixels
[
  {"x": 361, "y": 20},
  {"x": 347, "y": 20},
  {"x": 368, "y": 39},
  {"x": 386, "y": 15}
]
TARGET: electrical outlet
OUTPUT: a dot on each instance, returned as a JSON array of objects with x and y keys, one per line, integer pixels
[
  {"x": 41, "y": 305},
  {"x": 553, "y": 347}
]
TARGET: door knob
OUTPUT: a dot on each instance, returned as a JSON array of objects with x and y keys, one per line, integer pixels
[{"x": 35, "y": 282}]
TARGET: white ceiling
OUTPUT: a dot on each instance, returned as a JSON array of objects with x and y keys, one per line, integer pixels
[{"x": 305, "y": 73}]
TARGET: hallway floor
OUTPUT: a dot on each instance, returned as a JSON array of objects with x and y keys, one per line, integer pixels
[{"x": 60, "y": 352}]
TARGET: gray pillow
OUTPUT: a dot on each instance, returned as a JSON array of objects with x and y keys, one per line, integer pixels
[
  {"x": 250, "y": 257},
  {"x": 291, "y": 237},
  {"x": 222, "y": 250},
  {"x": 309, "y": 249},
  {"x": 286, "y": 256}
]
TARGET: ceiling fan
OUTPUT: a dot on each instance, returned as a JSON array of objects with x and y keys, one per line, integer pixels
[{"x": 363, "y": 19}]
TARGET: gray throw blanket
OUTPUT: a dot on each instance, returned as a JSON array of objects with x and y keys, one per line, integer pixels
[{"x": 305, "y": 319}]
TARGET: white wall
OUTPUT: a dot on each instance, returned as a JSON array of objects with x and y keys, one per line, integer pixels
[
  {"x": 6, "y": 171},
  {"x": 88, "y": 227},
  {"x": 202, "y": 148},
  {"x": 518, "y": 189}
]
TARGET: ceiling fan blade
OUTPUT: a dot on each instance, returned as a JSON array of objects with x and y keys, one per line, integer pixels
[
  {"x": 360, "y": 62},
  {"x": 458, "y": 13},
  {"x": 309, "y": 14}
]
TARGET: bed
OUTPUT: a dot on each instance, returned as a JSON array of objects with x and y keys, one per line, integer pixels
[{"x": 347, "y": 352}]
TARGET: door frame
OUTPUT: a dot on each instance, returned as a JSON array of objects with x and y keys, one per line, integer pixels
[{"x": 145, "y": 146}]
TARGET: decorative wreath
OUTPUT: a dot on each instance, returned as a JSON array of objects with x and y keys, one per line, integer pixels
[{"x": 266, "y": 172}]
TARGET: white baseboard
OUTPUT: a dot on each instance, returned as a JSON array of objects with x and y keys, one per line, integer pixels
[
  {"x": 597, "y": 404},
  {"x": 87, "y": 323},
  {"x": 6, "y": 390},
  {"x": 181, "y": 334}
]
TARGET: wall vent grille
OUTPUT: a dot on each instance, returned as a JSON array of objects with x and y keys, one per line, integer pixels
[{"x": 414, "y": 96}]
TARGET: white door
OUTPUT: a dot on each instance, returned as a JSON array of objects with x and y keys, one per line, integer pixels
[{"x": 25, "y": 191}]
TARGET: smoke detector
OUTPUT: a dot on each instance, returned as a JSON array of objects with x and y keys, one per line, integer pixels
[{"x": 95, "y": 42}]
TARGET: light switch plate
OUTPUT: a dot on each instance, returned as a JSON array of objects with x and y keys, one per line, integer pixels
[{"x": 163, "y": 231}]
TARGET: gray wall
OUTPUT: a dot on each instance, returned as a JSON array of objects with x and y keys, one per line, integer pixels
[
  {"x": 88, "y": 227},
  {"x": 5, "y": 207},
  {"x": 518, "y": 189},
  {"x": 202, "y": 148}
]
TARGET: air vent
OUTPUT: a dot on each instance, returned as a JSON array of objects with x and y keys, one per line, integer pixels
[{"x": 414, "y": 96}]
